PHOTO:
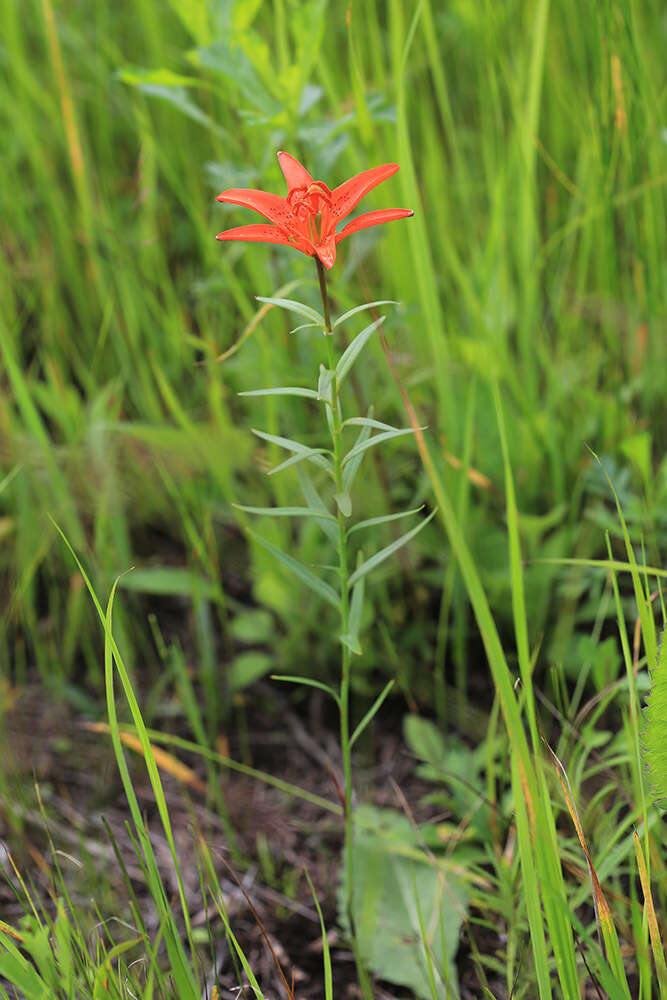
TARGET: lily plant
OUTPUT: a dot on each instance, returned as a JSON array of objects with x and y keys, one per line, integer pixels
[{"x": 307, "y": 219}]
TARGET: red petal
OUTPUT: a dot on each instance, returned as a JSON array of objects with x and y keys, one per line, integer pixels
[
  {"x": 326, "y": 251},
  {"x": 294, "y": 172},
  {"x": 271, "y": 206},
  {"x": 350, "y": 193},
  {"x": 255, "y": 234},
  {"x": 373, "y": 219}
]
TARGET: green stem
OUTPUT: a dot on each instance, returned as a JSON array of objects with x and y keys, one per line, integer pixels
[{"x": 364, "y": 981}]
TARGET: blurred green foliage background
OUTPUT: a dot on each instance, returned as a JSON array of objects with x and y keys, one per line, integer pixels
[{"x": 532, "y": 138}]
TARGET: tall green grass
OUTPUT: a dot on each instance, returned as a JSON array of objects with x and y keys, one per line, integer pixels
[
  {"x": 534, "y": 158},
  {"x": 531, "y": 140}
]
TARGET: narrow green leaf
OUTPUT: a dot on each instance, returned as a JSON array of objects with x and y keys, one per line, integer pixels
[
  {"x": 389, "y": 550},
  {"x": 307, "y": 682},
  {"x": 283, "y": 442},
  {"x": 372, "y": 711},
  {"x": 349, "y": 356},
  {"x": 383, "y": 520},
  {"x": 285, "y": 511},
  {"x": 358, "y": 449},
  {"x": 351, "y": 638},
  {"x": 306, "y": 575},
  {"x": 325, "y": 393},
  {"x": 352, "y": 467},
  {"x": 303, "y": 326},
  {"x": 298, "y": 307},
  {"x": 366, "y": 305},
  {"x": 316, "y": 504},
  {"x": 315, "y": 455},
  {"x": 290, "y": 390},
  {"x": 344, "y": 503},
  {"x": 324, "y": 384},
  {"x": 369, "y": 422}
]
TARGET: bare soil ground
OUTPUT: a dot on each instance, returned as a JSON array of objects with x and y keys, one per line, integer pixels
[{"x": 80, "y": 788}]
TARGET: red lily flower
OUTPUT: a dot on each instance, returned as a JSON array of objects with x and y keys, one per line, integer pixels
[{"x": 307, "y": 218}]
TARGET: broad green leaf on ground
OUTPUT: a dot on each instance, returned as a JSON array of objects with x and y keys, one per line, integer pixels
[
  {"x": 424, "y": 739},
  {"x": 254, "y": 625},
  {"x": 389, "y": 873},
  {"x": 246, "y": 668},
  {"x": 655, "y": 725}
]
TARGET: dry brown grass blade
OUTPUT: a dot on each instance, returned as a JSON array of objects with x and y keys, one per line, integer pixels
[
  {"x": 6, "y": 929},
  {"x": 600, "y": 904},
  {"x": 476, "y": 477},
  {"x": 653, "y": 928},
  {"x": 288, "y": 989},
  {"x": 164, "y": 760}
]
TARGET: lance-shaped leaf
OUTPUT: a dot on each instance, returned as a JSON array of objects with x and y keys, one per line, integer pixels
[
  {"x": 389, "y": 550},
  {"x": 286, "y": 390},
  {"x": 351, "y": 637},
  {"x": 304, "y": 326},
  {"x": 383, "y": 519},
  {"x": 351, "y": 353},
  {"x": 301, "y": 451},
  {"x": 284, "y": 511},
  {"x": 372, "y": 711},
  {"x": 377, "y": 425},
  {"x": 352, "y": 467},
  {"x": 309, "y": 454},
  {"x": 325, "y": 394},
  {"x": 317, "y": 505},
  {"x": 307, "y": 682},
  {"x": 358, "y": 449},
  {"x": 366, "y": 305},
  {"x": 344, "y": 503},
  {"x": 298, "y": 307},
  {"x": 304, "y": 574}
]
